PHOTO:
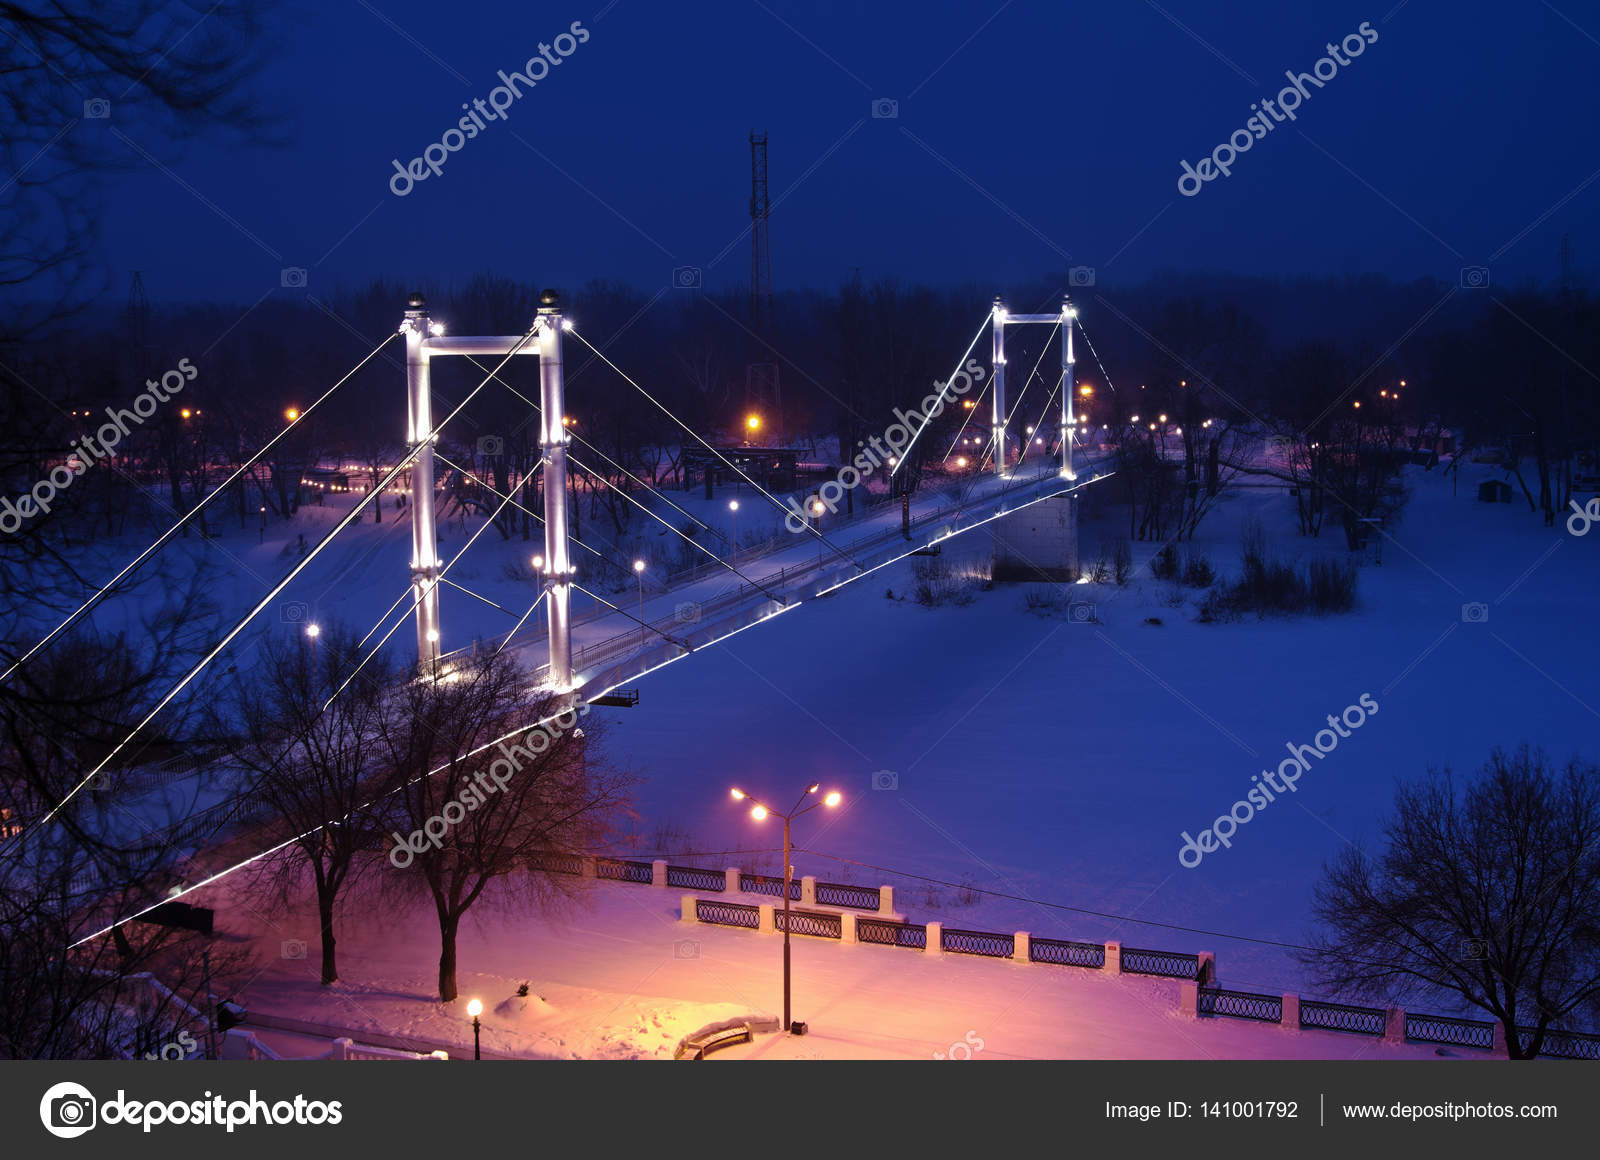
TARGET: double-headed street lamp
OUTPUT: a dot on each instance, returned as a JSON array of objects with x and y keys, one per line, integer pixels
[{"x": 758, "y": 811}]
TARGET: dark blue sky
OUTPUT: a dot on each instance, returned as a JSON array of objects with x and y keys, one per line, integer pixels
[{"x": 1030, "y": 136}]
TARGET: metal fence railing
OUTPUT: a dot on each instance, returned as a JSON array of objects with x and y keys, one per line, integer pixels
[
  {"x": 727, "y": 913},
  {"x": 553, "y": 863},
  {"x": 1567, "y": 1044},
  {"x": 1169, "y": 964},
  {"x": 1342, "y": 1017},
  {"x": 1446, "y": 1029},
  {"x": 769, "y": 884},
  {"x": 978, "y": 942},
  {"x": 1067, "y": 954},
  {"x": 621, "y": 871},
  {"x": 1240, "y": 1004},
  {"x": 694, "y": 878},
  {"x": 823, "y": 924},
  {"x": 855, "y": 897},
  {"x": 892, "y": 934}
]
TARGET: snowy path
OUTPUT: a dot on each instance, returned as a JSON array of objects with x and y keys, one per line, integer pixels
[{"x": 618, "y": 975}]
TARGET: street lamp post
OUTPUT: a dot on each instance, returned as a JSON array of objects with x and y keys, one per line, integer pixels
[
  {"x": 313, "y": 631},
  {"x": 638, "y": 571},
  {"x": 475, "y": 1008},
  {"x": 733, "y": 506},
  {"x": 816, "y": 510},
  {"x": 758, "y": 811}
]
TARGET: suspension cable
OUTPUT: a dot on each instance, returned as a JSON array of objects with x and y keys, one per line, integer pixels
[
  {"x": 809, "y": 526},
  {"x": 537, "y": 410},
  {"x": 276, "y": 589},
  {"x": 687, "y": 539},
  {"x": 928, "y": 420},
  {"x": 498, "y": 494},
  {"x": 166, "y": 537}
]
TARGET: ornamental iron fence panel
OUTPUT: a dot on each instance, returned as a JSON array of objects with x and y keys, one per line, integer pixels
[
  {"x": 820, "y": 923},
  {"x": 1343, "y": 1017},
  {"x": 1170, "y": 964},
  {"x": 694, "y": 878},
  {"x": 621, "y": 871},
  {"x": 1240, "y": 1004},
  {"x": 1067, "y": 954},
  {"x": 769, "y": 884},
  {"x": 892, "y": 934},
  {"x": 856, "y": 897},
  {"x": 1446, "y": 1029},
  {"x": 727, "y": 913},
  {"x": 978, "y": 942}
]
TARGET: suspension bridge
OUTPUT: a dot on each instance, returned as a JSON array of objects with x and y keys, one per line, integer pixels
[{"x": 591, "y": 661}]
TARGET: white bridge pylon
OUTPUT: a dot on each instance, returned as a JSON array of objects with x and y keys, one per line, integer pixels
[
  {"x": 425, "y": 340},
  {"x": 997, "y": 428}
]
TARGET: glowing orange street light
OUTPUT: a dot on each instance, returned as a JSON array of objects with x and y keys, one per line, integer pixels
[
  {"x": 292, "y": 414},
  {"x": 186, "y": 412},
  {"x": 753, "y": 422},
  {"x": 760, "y": 812}
]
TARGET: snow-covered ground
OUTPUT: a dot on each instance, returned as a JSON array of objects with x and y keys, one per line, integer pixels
[
  {"x": 618, "y": 975},
  {"x": 1015, "y": 753}
]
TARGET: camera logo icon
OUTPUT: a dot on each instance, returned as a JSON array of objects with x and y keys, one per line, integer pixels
[
  {"x": 294, "y": 277},
  {"x": 292, "y": 948},
  {"x": 1474, "y": 277},
  {"x": 1475, "y": 613},
  {"x": 1081, "y": 612},
  {"x": 1080, "y": 276},
  {"x": 1476, "y": 948},
  {"x": 686, "y": 277},
  {"x": 885, "y": 779},
  {"x": 96, "y": 109},
  {"x": 687, "y": 613},
  {"x": 686, "y": 948},
  {"x": 293, "y": 611},
  {"x": 491, "y": 445},
  {"x": 885, "y": 109},
  {"x": 67, "y": 1110}
]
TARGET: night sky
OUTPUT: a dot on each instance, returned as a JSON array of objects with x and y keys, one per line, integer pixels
[{"x": 1031, "y": 136}]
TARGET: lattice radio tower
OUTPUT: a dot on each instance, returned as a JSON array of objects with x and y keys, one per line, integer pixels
[{"x": 762, "y": 392}]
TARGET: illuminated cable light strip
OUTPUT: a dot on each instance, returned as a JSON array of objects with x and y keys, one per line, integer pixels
[
  {"x": 166, "y": 537},
  {"x": 689, "y": 539},
  {"x": 219, "y": 875},
  {"x": 350, "y": 517},
  {"x": 498, "y": 494},
  {"x": 543, "y": 592},
  {"x": 612, "y": 462},
  {"x": 962, "y": 531},
  {"x": 1017, "y": 406},
  {"x": 417, "y": 599},
  {"x": 763, "y": 491},
  {"x": 960, "y": 365},
  {"x": 773, "y": 613},
  {"x": 1103, "y": 372}
]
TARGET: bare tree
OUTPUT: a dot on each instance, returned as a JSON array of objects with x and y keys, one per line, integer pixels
[
  {"x": 318, "y": 770},
  {"x": 478, "y": 807},
  {"x": 92, "y": 85},
  {"x": 1488, "y": 892}
]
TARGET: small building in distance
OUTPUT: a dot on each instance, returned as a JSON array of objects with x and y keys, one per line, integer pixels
[{"x": 1494, "y": 491}]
